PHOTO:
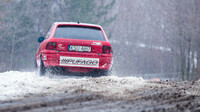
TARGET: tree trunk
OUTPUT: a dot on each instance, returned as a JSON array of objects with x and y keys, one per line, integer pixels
[
  {"x": 188, "y": 59},
  {"x": 12, "y": 52}
]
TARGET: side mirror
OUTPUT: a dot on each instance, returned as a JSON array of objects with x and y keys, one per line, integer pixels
[{"x": 40, "y": 39}]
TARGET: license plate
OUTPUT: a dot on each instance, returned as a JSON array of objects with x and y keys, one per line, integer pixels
[
  {"x": 79, "y": 48},
  {"x": 79, "y": 62}
]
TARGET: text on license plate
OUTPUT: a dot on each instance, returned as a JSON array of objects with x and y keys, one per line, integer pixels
[{"x": 79, "y": 48}]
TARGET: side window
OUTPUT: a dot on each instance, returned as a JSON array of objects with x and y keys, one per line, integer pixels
[{"x": 49, "y": 31}]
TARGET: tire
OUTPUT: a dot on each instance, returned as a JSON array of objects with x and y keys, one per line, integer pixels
[
  {"x": 100, "y": 73},
  {"x": 42, "y": 69},
  {"x": 106, "y": 73},
  {"x": 35, "y": 64}
]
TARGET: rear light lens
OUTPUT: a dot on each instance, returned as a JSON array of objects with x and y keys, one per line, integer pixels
[
  {"x": 107, "y": 50},
  {"x": 51, "y": 46}
]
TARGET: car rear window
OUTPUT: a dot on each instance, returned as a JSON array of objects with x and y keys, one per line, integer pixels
[{"x": 79, "y": 32}]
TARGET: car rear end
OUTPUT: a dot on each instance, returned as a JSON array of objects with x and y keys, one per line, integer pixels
[{"x": 78, "y": 48}]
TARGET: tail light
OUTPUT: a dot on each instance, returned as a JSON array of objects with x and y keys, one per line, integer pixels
[
  {"x": 51, "y": 46},
  {"x": 107, "y": 50}
]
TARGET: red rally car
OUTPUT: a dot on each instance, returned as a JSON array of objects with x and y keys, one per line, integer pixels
[{"x": 75, "y": 47}]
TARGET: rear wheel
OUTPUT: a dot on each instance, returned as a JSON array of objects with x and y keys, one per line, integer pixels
[
  {"x": 105, "y": 73},
  {"x": 42, "y": 69},
  {"x": 101, "y": 73},
  {"x": 35, "y": 64},
  {"x": 57, "y": 70}
]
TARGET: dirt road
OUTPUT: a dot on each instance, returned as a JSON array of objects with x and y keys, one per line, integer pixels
[{"x": 27, "y": 92}]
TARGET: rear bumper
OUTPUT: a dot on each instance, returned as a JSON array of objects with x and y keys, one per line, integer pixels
[{"x": 53, "y": 60}]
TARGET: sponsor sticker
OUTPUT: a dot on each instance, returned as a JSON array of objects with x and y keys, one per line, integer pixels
[
  {"x": 79, "y": 62},
  {"x": 61, "y": 46},
  {"x": 96, "y": 43}
]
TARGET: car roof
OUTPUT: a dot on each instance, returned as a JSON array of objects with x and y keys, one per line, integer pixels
[{"x": 76, "y": 23}]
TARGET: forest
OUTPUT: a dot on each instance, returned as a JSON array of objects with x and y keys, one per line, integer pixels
[{"x": 149, "y": 37}]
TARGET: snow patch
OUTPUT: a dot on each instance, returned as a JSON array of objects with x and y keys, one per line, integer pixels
[{"x": 15, "y": 85}]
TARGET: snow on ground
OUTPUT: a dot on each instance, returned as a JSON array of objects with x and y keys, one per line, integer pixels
[
  {"x": 15, "y": 85},
  {"x": 27, "y": 91}
]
